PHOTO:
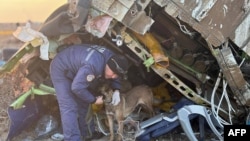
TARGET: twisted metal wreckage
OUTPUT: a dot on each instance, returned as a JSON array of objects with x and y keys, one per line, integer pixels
[{"x": 201, "y": 48}]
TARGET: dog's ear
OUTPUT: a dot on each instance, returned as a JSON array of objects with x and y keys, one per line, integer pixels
[{"x": 103, "y": 88}]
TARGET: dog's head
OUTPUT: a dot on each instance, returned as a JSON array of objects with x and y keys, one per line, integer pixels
[{"x": 107, "y": 92}]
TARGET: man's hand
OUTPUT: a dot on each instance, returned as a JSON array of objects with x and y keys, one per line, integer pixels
[
  {"x": 116, "y": 97},
  {"x": 99, "y": 100}
]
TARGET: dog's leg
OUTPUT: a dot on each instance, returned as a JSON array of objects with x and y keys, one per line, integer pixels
[
  {"x": 119, "y": 118},
  {"x": 150, "y": 109},
  {"x": 149, "y": 106},
  {"x": 111, "y": 127}
]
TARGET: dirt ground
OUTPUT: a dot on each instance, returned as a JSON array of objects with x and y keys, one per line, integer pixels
[
  {"x": 8, "y": 90},
  {"x": 6, "y": 97},
  {"x": 7, "y": 87}
]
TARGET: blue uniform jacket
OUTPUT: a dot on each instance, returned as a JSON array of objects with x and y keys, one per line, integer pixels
[{"x": 82, "y": 64}]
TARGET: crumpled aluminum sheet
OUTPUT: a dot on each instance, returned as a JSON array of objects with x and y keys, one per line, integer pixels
[{"x": 120, "y": 10}]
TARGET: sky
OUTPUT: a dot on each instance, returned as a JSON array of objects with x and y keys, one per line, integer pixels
[{"x": 13, "y": 11}]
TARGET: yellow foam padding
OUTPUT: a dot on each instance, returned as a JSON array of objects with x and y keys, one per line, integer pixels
[
  {"x": 97, "y": 108},
  {"x": 161, "y": 95},
  {"x": 155, "y": 48}
]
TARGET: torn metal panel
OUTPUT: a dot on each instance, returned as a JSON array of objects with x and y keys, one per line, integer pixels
[
  {"x": 118, "y": 10},
  {"x": 103, "y": 5},
  {"x": 131, "y": 13},
  {"x": 141, "y": 4},
  {"x": 210, "y": 18},
  {"x": 202, "y": 8},
  {"x": 172, "y": 9},
  {"x": 233, "y": 75},
  {"x": 113, "y": 8},
  {"x": 229, "y": 65},
  {"x": 241, "y": 36},
  {"x": 198, "y": 8},
  {"x": 161, "y": 3},
  {"x": 138, "y": 22},
  {"x": 175, "y": 11},
  {"x": 127, "y": 3}
]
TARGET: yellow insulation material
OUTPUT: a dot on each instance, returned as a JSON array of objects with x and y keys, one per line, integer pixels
[
  {"x": 154, "y": 48},
  {"x": 162, "y": 98}
]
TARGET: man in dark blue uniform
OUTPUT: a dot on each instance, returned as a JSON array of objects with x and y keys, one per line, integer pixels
[{"x": 72, "y": 71}]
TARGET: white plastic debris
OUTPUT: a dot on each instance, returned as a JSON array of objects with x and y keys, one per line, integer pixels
[
  {"x": 26, "y": 34},
  {"x": 46, "y": 125},
  {"x": 57, "y": 137}
]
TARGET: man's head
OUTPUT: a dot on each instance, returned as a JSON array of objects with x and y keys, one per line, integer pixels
[{"x": 117, "y": 64}]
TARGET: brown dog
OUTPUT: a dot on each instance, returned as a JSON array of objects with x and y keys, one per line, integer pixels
[{"x": 139, "y": 95}]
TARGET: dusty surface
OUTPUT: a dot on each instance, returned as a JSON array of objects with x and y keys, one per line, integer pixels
[
  {"x": 8, "y": 93},
  {"x": 6, "y": 97},
  {"x": 8, "y": 86}
]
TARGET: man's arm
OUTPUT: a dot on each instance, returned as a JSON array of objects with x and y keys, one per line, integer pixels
[{"x": 81, "y": 83}]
